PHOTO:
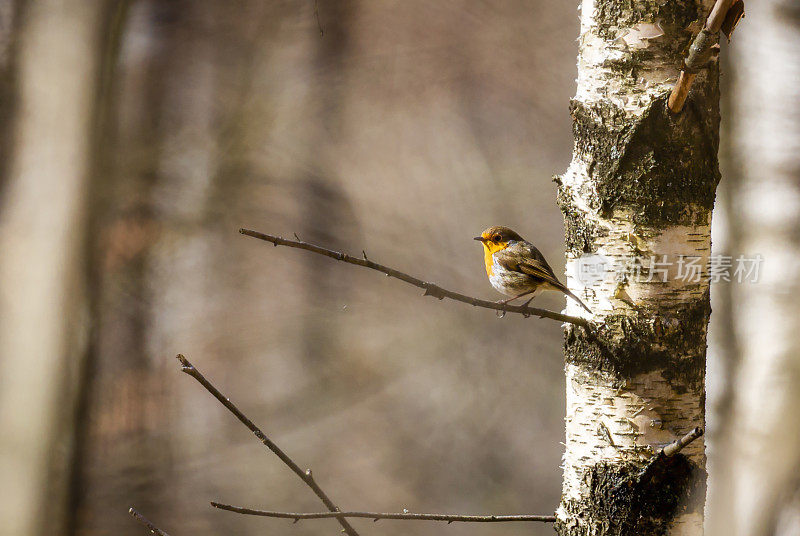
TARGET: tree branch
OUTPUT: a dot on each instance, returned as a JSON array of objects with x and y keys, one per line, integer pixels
[
  {"x": 702, "y": 49},
  {"x": 637, "y": 484},
  {"x": 430, "y": 288},
  {"x": 676, "y": 446},
  {"x": 670, "y": 450},
  {"x": 306, "y": 476},
  {"x": 450, "y": 518},
  {"x": 146, "y": 522}
]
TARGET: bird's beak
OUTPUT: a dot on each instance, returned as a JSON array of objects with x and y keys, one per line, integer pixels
[{"x": 478, "y": 238}]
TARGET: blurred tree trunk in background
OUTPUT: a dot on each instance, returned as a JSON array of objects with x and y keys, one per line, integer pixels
[
  {"x": 756, "y": 483},
  {"x": 43, "y": 308},
  {"x": 326, "y": 215},
  {"x": 8, "y": 37},
  {"x": 641, "y": 185},
  {"x": 158, "y": 118}
]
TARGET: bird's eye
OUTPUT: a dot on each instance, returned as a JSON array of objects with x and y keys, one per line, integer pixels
[{"x": 497, "y": 238}]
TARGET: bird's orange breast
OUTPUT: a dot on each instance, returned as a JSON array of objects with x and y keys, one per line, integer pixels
[{"x": 489, "y": 261}]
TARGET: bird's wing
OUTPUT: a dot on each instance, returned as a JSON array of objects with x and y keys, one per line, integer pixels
[{"x": 525, "y": 258}]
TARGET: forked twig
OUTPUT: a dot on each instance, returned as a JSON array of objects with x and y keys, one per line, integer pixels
[
  {"x": 305, "y": 476},
  {"x": 430, "y": 288},
  {"x": 146, "y": 522},
  {"x": 376, "y": 516}
]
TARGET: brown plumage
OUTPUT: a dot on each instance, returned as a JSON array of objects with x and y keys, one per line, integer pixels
[{"x": 516, "y": 268}]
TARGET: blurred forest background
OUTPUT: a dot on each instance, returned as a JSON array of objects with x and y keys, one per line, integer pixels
[{"x": 138, "y": 136}]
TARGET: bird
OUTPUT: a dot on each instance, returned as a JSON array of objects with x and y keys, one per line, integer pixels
[{"x": 516, "y": 268}]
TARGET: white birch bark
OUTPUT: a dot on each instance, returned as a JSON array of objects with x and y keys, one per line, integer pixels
[
  {"x": 641, "y": 183},
  {"x": 42, "y": 313},
  {"x": 756, "y": 476}
]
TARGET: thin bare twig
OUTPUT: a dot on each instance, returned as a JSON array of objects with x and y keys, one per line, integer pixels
[
  {"x": 699, "y": 55},
  {"x": 376, "y": 516},
  {"x": 306, "y": 476},
  {"x": 430, "y": 288},
  {"x": 146, "y": 522}
]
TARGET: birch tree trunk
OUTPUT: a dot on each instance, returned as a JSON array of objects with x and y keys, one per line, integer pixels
[
  {"x": 756, "y": 471},
  {"x": 641, "y": 184}
]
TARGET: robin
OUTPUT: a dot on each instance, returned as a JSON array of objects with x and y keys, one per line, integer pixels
[{"x": 516, "y": 268}]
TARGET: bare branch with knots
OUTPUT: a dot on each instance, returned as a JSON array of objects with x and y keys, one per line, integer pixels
[
  {"x": 377, "y": 516},
  {"x": 429, "y": 288},
  {"x": 306, "y": 476}
]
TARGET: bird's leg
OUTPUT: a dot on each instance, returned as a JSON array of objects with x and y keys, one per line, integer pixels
[
  {"x": 509, "y": 300},
  {"x": 502, "y": 312}
]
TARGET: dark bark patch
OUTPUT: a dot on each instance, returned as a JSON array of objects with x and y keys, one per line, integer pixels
[
  {"x": 628, "y": 346},
  {"x": 612, "y": 15},
  {"x": 620, "y": 501},
  {"x": 630, "y": 65},
  {"x": 650, "y": 164}
]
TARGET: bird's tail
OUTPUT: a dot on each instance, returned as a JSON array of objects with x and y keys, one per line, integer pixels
[{"x": 566, "y": 291}]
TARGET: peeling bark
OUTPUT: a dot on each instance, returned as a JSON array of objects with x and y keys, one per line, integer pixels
[{"x": 641, "y": 183}]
